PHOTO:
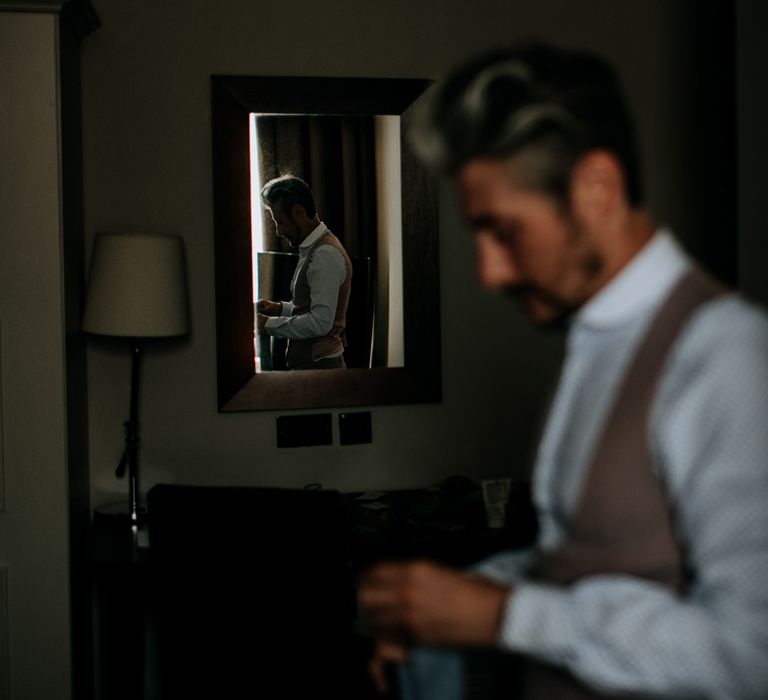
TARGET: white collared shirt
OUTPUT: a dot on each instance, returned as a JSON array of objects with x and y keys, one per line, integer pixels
[{"x": 709, "y": 435}]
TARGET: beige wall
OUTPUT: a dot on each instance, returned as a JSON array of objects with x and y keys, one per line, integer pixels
[
  {"x": 34, "y": 525},
  {"x": 148, "y": 168}
]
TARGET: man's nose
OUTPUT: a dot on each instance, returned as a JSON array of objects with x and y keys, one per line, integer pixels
[{"x": 495, "y": 264}]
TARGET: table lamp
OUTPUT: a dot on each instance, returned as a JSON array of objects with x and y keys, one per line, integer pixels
[{"x": 136, "y": 289}]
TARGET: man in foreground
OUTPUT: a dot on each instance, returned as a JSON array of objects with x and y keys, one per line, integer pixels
[
  {"x": 315, "y": 318},
  {"x": 651, "y": 478}
]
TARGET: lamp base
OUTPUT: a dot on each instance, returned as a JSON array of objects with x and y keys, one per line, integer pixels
[{"x": 118, "y": 515}]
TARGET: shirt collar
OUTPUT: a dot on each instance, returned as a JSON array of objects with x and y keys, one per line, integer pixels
[
  {"x": 640, "y": 286},
  {"x": 320, "y": 230}
]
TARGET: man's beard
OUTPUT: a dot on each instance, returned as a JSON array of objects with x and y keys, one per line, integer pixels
[{"x": 562, "y": 309}]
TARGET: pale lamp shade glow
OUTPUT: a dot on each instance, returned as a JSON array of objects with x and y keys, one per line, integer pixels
[{"x": 137, "y": 287}]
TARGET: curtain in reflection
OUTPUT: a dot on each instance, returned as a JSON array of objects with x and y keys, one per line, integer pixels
[{"x": 335, "y": 155}]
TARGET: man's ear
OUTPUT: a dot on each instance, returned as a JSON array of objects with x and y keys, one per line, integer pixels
[
  {"x": 597, "y": 190},
  {"x": 298, "y": 212}
]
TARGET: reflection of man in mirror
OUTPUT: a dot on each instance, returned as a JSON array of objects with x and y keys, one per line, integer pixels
[
  {"x": 315, "y": 318},
  {"x": 648, "y": 578}
]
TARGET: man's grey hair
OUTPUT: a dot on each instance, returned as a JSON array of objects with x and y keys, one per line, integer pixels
[
  {"x": 286, "y": 191},
  {"x": 543, "y": 104}
]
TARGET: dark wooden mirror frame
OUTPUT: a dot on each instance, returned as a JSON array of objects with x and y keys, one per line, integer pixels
[{"x": 233, "y": 98}]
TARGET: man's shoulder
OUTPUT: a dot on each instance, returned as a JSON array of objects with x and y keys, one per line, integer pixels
[
  {"x": 726, "y": 337},
  {"x": 713, "y": 394},
  {"x": 330, "y": 248},
  {"x": 328, "y": 260},
  {"x": 729, "y": 317},
  {"x": 332, "y": 240},
  {"x": 327, "y": 250}
]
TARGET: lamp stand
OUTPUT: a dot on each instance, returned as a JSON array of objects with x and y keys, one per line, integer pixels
[{"x": 130, "y": 456}]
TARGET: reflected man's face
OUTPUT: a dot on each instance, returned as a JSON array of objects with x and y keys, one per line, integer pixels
[
  {"x": 526, "y": 245},
  {"x": 285, "y": 225}
]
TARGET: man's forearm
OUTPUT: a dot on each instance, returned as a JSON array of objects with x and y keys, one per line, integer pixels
[
  {"x": 621, "y": 634},
  {"x": 317, "y": 322}
]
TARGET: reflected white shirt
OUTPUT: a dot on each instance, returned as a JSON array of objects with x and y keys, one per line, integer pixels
[
  {"x": 709, "y": 434},
  {"x": 325, "y": 276}
]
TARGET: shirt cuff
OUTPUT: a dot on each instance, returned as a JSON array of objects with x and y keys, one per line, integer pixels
[
  {"x": 272, "y": 322},
  {"x": 286, "y": 308},
  {"x": 505, "y": 567},
  {"x": 536, "y": 621}
]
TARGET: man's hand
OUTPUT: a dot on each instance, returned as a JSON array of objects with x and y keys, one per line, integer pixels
[
  {"x": 430, "y": 604},
  {"x": 269, "y": 308},
  {"x": 261, "y": 321},
  {"x": 384, "y": 655}
]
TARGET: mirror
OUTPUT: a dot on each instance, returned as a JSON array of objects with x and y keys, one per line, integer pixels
[{"x": 234, "y": 100}]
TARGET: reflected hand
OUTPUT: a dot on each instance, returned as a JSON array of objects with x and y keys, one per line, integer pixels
[
  {"x": 269, "y": 308},
  {"x": 261, "y": 321}
]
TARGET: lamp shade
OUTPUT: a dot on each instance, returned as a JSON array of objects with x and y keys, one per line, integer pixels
[{"x": 137, "y": 287}]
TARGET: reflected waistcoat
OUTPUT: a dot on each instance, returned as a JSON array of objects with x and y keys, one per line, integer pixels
[
  {"x": 310, "y": 349},
  {"x": 624, "y": 523}
]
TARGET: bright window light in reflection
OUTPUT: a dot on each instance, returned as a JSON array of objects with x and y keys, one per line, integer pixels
[
  {"x": 257, "y": 225},
  {"x": 257, "y": 222}
]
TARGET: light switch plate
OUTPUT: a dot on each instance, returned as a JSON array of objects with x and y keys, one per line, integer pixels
[
  {"x": 304, "y": 431},
  {"x": 355, "y": 428}
]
